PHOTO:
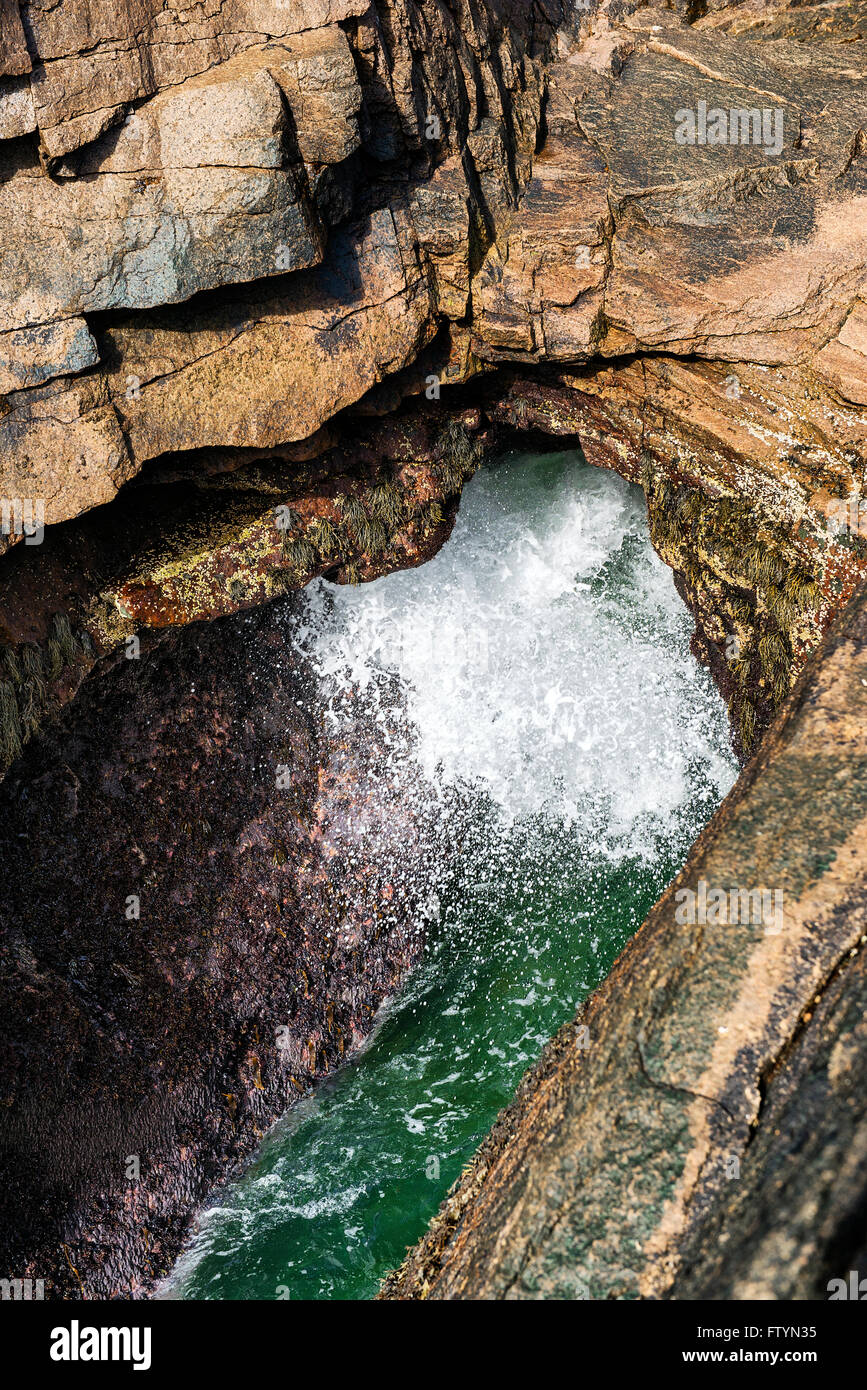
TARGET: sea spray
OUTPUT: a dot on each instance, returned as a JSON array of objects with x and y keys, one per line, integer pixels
[{"x": 538, "y": 702}]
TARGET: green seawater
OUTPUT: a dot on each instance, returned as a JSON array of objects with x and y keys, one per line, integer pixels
[{"x": 572, "y": 749}]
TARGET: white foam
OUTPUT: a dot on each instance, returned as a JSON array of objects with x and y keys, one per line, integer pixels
[{"x": 527, "y": 674}]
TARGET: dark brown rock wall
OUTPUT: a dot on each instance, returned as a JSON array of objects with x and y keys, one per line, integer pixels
[{"x": 192, "y": 936}]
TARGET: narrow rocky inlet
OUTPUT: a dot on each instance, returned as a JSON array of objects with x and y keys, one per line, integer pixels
[
  {"x": 433, "y": 440},
  {"x": 555, "y": 820}
]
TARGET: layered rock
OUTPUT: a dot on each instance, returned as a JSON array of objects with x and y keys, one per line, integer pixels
[
  {"x": 174, "y": 166},
  {"x": 90, "y": 63}
]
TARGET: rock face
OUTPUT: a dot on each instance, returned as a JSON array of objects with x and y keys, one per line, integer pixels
[
  {"x": 170, "y": 152},
  {"x": 192, "y": 545},
  {"x": 360, "y": 205},
  {"x": 271, "y": 276},
  {"x": 94, "y": 60},
  {"x": 193, "y": 930}
]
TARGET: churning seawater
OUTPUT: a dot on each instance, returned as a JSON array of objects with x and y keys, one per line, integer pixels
[{"x": 567, "y": 749}]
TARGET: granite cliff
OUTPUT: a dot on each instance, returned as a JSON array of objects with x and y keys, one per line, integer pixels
[{"x": 273, "y": 277}]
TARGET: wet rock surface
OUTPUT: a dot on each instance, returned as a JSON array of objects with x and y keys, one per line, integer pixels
[
  {"x": 183, "y": 545},
  {"x": 194, "y": 932}
]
